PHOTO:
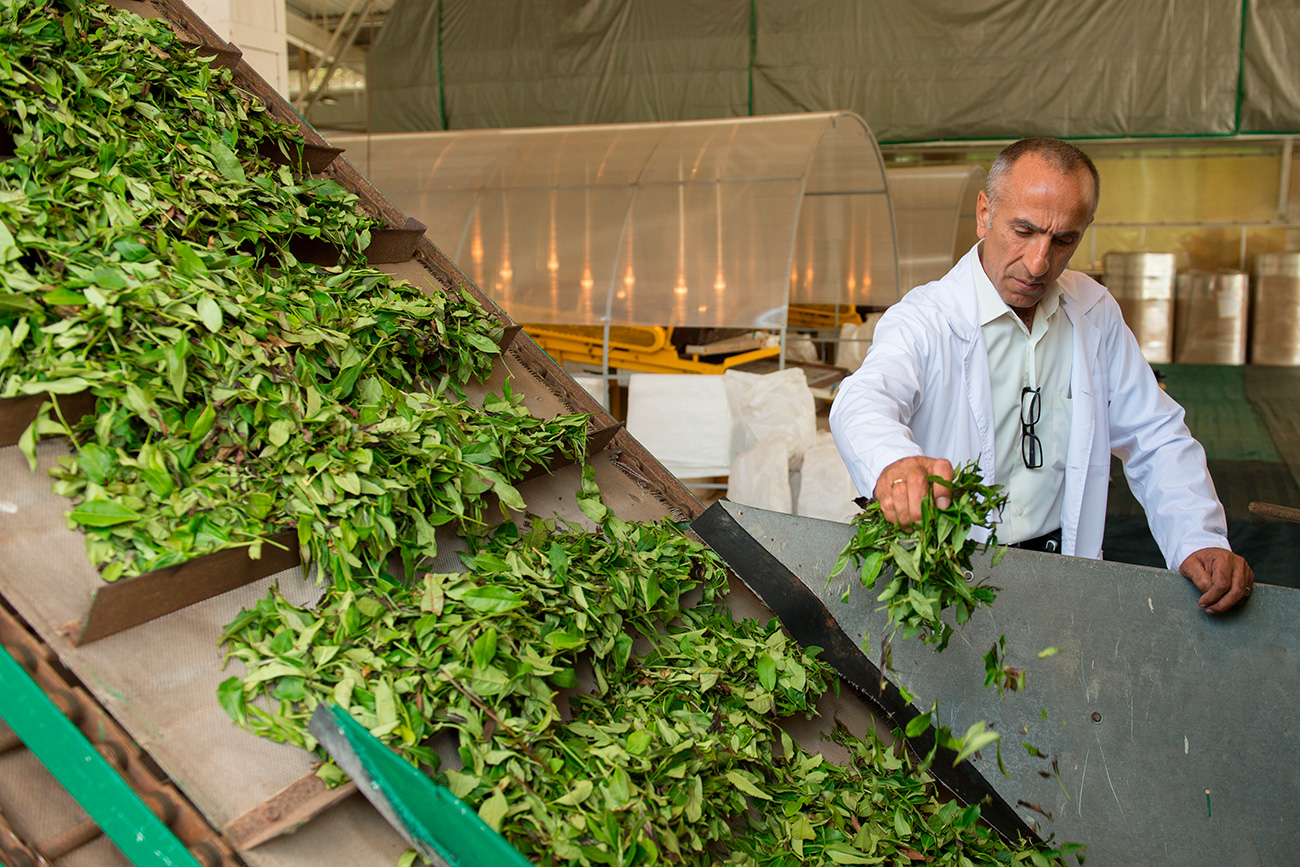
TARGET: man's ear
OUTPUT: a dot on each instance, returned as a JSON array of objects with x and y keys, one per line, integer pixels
[{"x": 983, "y": 214}]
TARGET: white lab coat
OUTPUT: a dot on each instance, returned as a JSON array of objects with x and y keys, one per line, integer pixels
[{"x": 924, "y": 390}]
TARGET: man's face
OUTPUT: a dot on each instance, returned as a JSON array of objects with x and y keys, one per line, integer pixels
[{"x": 1033, "y": 229}]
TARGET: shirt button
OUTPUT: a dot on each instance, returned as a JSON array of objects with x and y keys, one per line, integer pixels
[{"x": 1020, "y": 513}]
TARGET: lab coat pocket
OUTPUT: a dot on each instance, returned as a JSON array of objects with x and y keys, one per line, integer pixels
[{"x": 1056, "y": 451}]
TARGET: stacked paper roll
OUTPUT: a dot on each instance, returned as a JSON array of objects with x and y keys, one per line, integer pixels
[
  {"x": 1210, "y": 317},
  {"x": 1143, "y": 284},
  {"x": 1275, "y": 321}
]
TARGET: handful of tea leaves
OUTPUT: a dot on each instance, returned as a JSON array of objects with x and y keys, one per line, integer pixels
[{"x": 932, "y": 561}]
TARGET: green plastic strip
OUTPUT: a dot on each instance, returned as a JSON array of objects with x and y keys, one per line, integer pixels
[
  {"x": 84, "y": 773},
  {"x": 439, "y": 825},
  {"x": 442, "y": 84},
  {"x": 1241, "y": 69},
  {"x": 753, "y": 48}
]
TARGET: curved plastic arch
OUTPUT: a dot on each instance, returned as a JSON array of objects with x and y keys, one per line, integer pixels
[
  {"x": 719, "y": 223},
  {"x": 934, "y": 210}
]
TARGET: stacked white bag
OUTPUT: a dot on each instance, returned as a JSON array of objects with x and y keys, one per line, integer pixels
[
  {"x": 785, "y": 464},
  {"x": 762, "y": 428}
]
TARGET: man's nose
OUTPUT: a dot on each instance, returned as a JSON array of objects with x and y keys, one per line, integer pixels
[{"x": 1036, "y": 255}]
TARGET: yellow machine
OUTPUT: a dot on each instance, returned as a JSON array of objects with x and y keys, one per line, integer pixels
[
  {"x": 808, "y": 317},
  {"x": 648, "y": 350}
]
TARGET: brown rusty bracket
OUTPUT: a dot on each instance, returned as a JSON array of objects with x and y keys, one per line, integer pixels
[
  {"x": 508, "y": 335},
  {"x": 132, "y": 601},
  {"x": 393, "y": 244},
  {"x": 16, "y": 413},
  {"x": 600, "y": 439},
  {"x": 69, "y": 841},
  {"x": 143, "y": 8},
  {"x": 286, "y": 811},
  {"x": 313, "y": 159},
  {"x": 388, "y": 244},
  {"x": 14, "y": 851},
  {"x": 1271, "y": 511},
  {"x": 597, "y": 441}
]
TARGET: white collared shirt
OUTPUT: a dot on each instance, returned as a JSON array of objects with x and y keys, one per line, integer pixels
[{"x": 1020, "y": 357}]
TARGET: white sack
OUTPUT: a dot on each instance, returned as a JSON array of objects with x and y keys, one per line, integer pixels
[
  {"x": 800, "y": 347},
  {"x": 855, "y": 340},
  {"x": 825, "y": 489},
  {"x": 596, "y": 386},
  {"x": 683, "y": 420},
  {"x": 764, "y": 404},
  {"x": 761, "y": 476}
]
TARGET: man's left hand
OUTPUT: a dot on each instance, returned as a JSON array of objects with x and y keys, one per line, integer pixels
[{"x": 1223, "y": 578}]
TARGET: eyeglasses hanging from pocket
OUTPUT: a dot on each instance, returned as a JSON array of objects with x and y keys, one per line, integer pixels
[{"x": 1031, "y": 409}]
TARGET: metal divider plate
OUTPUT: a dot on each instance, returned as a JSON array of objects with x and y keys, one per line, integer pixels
[{"x": 1173, "y": 731}]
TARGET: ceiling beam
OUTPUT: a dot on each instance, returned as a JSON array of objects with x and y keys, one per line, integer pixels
[
  {"x": 343, "y": 39},
  {"x": 305, "y": 34}
]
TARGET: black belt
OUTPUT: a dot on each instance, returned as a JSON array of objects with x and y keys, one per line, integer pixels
[{"x": 1048, "y": 542}]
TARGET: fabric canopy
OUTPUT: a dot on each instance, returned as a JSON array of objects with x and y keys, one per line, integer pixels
[{"x": 924, "y": 70}]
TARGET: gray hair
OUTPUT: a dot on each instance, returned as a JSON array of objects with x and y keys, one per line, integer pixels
[{"x": 1060, "y": 154}]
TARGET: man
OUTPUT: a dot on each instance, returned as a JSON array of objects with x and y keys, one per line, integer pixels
[{"x": 1028, "y": 368}]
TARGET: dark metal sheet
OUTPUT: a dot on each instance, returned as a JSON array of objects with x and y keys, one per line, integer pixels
[
  {"x": 756, "y": 559},
  {"x": 132, "y": 601},
  {"x": 1173, "y": 731},
  {"x": 17, "y": 413}
]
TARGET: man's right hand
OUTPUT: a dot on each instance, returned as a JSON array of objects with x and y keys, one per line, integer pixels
[{"x": 903, "y": 485}]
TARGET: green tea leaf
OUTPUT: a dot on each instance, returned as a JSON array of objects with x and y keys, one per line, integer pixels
[
  {"x": 976, "y": 737},
  {"x": 102, "y": 513},
  {"x": 766, "y": 671},
  {"x": 495, "y": 600},
  {"x": 96, "y": 461},
  {"x": 493, "y": 810},
  {"x": 744, "y": 785},
  {"x": 210, "y": 313},
  {"x": 485, "y": 648},
  {"x": 226, "y": 162},
  {"x": 8, "y": 249},
  {"x": 230, "y": 693}
]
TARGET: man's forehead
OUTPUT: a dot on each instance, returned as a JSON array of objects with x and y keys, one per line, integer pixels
[
  {"x": 1033, "y": 172},
  {"x": 1046, "y": 198}
]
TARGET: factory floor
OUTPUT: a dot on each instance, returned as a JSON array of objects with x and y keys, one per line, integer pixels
[{"x": 1248, "y": 419}]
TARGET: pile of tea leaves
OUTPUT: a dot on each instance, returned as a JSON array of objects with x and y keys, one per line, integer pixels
[
  {"x": 605, "y": 706},
  {"x": 145, "y": 257}
]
